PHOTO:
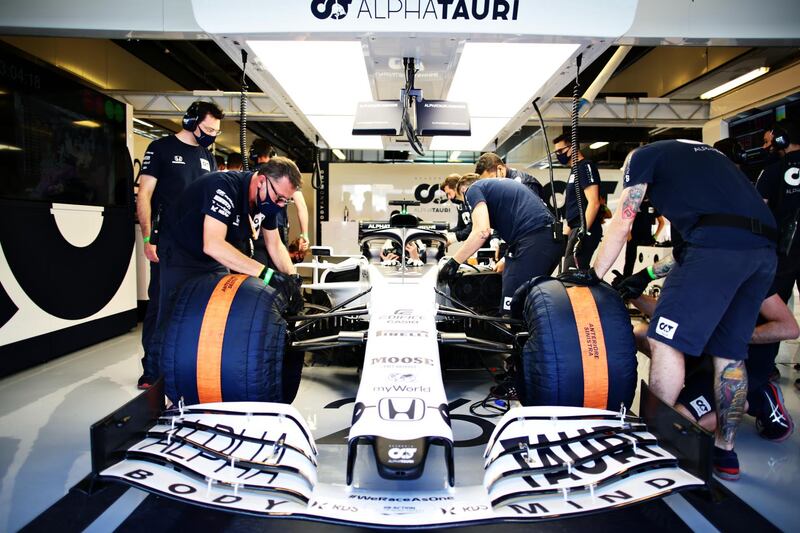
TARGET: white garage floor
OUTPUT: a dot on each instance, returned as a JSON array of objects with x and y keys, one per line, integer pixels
[{"x": 45, "y": 414}]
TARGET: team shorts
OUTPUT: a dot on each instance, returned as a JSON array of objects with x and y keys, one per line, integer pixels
[{"x": 710, "y": 301}]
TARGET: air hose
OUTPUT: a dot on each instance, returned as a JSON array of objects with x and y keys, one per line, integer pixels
[
  {"x": 574, "y": 150},
  {"x": 243, "y": 115}
]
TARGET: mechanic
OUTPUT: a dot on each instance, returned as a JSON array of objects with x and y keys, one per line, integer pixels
[
  {"x": 212, "y": 217},
  {"x": 580, "y": 246},
  {"x": 764, "y": 399},
  {"x": 170, "y": 164},
  {"x": 717, "y": 281},
  {"x": 464, "y": 224},
  {"x": 521, "y": 219},
  {"x": 779, "y": 185},
  {"x": 260, "y": 153},
  {"x": 490, "y": 165},
  {"x": 642, "y": 233}
]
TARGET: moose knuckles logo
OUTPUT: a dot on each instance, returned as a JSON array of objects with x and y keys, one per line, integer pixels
[{"x": 330, "y": 9}]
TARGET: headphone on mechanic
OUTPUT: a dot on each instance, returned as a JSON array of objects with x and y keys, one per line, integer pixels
[
  {"x": 260, "y": 148},
  {"x": 784, "y": 133},
  {"x": 191, "y": 117}
]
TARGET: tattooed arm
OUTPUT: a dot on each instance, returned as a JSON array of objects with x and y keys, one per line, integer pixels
[
  {"x": 619, "y": 228},
  {"x": 730, "y": 386},
  {"x": 664, "y": 266}
]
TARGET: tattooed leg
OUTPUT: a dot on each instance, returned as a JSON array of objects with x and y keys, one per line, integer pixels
[{"x": 730, "y": 386}]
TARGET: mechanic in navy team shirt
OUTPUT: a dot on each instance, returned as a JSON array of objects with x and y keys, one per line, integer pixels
[
  {"x": 464, "y": 223},
  {"x": 580, "y": 246},
  {"x": 169, "y": 165},
  {"x": 717, "y": 280},
  {"x": 212, "y": 218},
  {"x": 490, "y": 165},
  {"x": 521, "y": 219},
  {"x": 779, "y": 185}
]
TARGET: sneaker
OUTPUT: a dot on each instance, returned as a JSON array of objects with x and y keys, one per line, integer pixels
[
  {"x": 145, "y": 382},
  {"x": 726, "y": 464},
  {"x": 774, "y": 421}
]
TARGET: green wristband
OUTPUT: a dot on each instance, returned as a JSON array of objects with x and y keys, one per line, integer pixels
[
  {"x": 267, "y": 275},
  {"x": 304, "y": 236},
  {"x": 146, "y": 239},
  {"x": 650, "y": 272}
]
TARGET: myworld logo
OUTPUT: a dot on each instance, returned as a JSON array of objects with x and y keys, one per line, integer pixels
[
  {"x": 419, "y": 9},
  {"x": 330, "y": 9}
]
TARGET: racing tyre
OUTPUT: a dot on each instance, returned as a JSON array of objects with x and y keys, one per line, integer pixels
[
  {"x": 225, "y": 340},
  {"x": 581, "y": 351}
]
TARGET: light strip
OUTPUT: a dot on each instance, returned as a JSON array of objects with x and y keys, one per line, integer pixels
[
  {"x": 87, "y": 123},
  {"x": 326, "y": 80},
  {"x": 338, "y": 153},
  {"x": 734, "y": 83},
  {"x": 454, "y": 157},
  {"x": 598, "y": 144},
  {"x": 519, "y": 71},
  {"x": 143, "y": 123}
]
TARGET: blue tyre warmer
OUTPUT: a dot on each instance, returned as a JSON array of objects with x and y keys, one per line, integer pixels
[
  {"x": 225, "y": 340},
  {"x": 572, "y": 360}
]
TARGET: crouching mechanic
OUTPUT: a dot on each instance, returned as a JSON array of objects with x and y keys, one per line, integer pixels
[
  {"x": 521, "y": 219},
  {"x": 764, "y": 399},
  {"x": 213, "y": 215},
  {"x": 712, "y": 296}
]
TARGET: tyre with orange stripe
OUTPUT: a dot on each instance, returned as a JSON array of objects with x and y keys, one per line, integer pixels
[
  {"x": 581, "y": 351},
  {"x": 225, "y": 340}
]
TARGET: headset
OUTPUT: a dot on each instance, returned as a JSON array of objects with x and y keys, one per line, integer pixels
[
  {"x": 783, "y": 134},
  {"x": 192, "y": 117},
  {"x": 259, "y": 147}
]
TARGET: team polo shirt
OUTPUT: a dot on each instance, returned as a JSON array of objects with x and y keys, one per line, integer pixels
[
  {"x": 223, "y": 196},
  {"x": 688, "y": 179},
  {"x": 783, "y": 174},
  {"x": 514, "y": 210},
  {"x": 175, "y": 165},
  {"x": 587, "y": 175}
]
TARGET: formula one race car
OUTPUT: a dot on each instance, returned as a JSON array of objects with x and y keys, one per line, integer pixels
[{"x": 231, "y": 441}]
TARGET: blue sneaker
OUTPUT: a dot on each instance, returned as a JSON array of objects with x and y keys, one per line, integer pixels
[
  {"x": 726, "y": 464},
  {"x": 774, "y": 421}
]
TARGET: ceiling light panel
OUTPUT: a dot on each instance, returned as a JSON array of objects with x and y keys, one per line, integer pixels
[
  {"x": 325, "y": 79},
  {"x": 498, "y": 79}
]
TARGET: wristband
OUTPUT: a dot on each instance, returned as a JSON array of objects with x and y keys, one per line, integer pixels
[
  {"x": 650, "y": 272},
  {"x": 146, "y": 239},
  {"x": 304, "y": 236},
  {"x": 266, "y": 275}
]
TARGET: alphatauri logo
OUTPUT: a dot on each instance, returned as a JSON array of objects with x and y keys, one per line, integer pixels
[
  {"x": 792, "y": 177},
  {"x": 330, "y": 9}
]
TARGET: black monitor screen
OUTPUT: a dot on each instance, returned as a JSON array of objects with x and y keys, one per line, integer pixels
[{"x": 60, "y": 141}]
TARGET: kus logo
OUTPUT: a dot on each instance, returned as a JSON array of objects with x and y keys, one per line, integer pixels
[{"x": 330, "y": 9}]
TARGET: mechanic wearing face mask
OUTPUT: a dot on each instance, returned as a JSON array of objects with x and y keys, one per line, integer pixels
[
  {"x": 779, "y": 185},
  {"x": 521, "y": 219},
  {"x": 464, "y": 224},
  {"x": 170, "y": 164},
  {"x": 580, "y": 246},
  {"x": 211, "y": 219},
  {"x": 490, "y": 165}
]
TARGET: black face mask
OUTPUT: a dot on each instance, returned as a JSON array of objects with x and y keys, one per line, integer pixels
[
  {"x": 562, "y": 157},
  {"x": 268, "y": 208},
  {"x": 204, "y": 139}
]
